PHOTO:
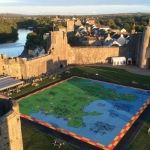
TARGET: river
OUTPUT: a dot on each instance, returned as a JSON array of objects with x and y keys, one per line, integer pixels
[{"x": 16, "y": 48}]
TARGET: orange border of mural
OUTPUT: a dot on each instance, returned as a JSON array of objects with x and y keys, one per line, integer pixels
[{"x": 115, "y": 141}]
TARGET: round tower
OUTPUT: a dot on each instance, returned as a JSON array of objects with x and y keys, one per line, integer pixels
[
  {"x": 144, "y": 58},
  {"x": 10, "y": 126}
]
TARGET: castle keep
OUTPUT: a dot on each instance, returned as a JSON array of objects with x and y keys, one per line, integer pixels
[{"x": 60, "y": 54}]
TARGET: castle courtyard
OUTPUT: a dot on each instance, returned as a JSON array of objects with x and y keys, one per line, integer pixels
[{"x": 80, "y": 104}]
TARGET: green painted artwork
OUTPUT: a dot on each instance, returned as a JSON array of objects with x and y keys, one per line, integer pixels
[{"x": 68, "y": 99}]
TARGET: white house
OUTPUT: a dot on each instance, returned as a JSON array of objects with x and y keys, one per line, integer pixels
[
  {"x": 123, "y": 30},
  {"x": 111, "y": 43},
  {"x": 115, "y": 30},
  {"x": 118, "y": 61},
  {"x": 108, "y": 38},
  {"x": 36, "y": 52},
  {"x": 45, "y": 36},
  {"x": 106, "y": 28},
  {"x": 120, "y": 39},
  {"x": 80, "y": 28}
]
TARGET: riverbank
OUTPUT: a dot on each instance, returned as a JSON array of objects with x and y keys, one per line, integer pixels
[
  {"x": 15, "y": 48},
  {"x": 9, "y": 41}
]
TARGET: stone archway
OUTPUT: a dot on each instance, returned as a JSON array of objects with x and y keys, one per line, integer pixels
[{"x": 61, "y": 65}]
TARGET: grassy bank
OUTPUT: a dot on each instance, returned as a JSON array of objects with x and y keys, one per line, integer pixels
[
  {"x": 36, "y": 140},
  {"x": 142, "y": 139}
]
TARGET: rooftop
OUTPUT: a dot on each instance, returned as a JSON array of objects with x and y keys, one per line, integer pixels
[{"x": 8, "y": 82}]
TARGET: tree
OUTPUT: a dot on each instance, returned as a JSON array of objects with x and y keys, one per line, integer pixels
[
  {"x": 110, "y": 22},
  {"x": 130, "y": 20},
  {"x": 31, "y": 36},
  {"x": 127, "y": 27},
  {"x": 74, "y": 41},
  {"x": 8, "y": 32},
  {"x": 139, "y": 28},
  {"x": 97, "y": 22},
  {"x": 144, "y": 23},
  {"x": 117, "y": 21}
]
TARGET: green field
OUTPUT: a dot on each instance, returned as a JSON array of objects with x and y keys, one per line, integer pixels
[
  {"x": 142, "y": 139},
  {"x": 67, "y": 100},
  {"x": 120, "y": 76},
  {"x": 36, "y": 140}
]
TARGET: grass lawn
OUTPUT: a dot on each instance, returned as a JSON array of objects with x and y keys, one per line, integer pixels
[
  {"x": 119, "y": 76},
  {"x": 142, "y": 140},
  {"x": 36, "y": 140},
  {"x": 44, "y": 82}
]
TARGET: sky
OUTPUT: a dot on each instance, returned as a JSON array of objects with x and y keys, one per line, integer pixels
[{"x": 73, "y": 7}]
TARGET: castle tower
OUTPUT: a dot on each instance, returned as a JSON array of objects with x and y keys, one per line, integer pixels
[
  {"x": 58, "y": 49},
  {"x": 70, "y": 26},
  {"x": 145, "y": 49},
  {"x": 10, "y": 126}
]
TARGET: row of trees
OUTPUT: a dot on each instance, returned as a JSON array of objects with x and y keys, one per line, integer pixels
[
  {"x": 127, "y": 22},
  {"x": 8, "y": 32},
  {"x": 41, "y": 26}
]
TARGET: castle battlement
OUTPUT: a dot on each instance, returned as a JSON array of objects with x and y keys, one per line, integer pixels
[
  {"x": 60, "y": 53},
  {"x": 3, "y": 56}
]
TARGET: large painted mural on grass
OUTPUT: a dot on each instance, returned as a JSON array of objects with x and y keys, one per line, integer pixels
[{"x": 95, "y": 111}]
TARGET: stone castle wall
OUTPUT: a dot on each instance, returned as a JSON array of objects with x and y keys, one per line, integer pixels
[
  {"x": 24, "y": 68},
  {"x": 144, "y": 63},
  {"x": 10, "y": 130},
  {"x": 61, "y": 53},
  {"x": 70, "y": 27},
  {"x": 134, "y": 47},
  {"x": 91, "y": 55},
  {"x": 10, "y": 66}
]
